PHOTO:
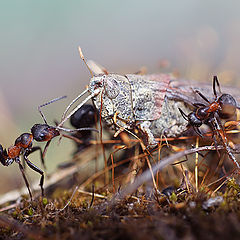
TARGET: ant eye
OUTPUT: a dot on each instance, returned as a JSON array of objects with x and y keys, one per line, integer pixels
[
  {"x": 42, "y": 135},
  {"x": 228, "y": 106}
]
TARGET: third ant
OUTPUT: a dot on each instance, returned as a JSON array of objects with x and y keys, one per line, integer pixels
[{"x": 223, "y": 107}]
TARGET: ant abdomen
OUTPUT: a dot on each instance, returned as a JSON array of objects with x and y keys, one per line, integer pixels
[
  {"x": 84, "y": 117},
  {"x": 1, "y": 154},
  {"x": 1, "y": 150},
  {"x": 228, "y": 106}
]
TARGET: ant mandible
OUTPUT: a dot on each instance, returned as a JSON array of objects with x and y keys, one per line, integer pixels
[
  {"x": 223, "y": 107},
  {"x": 23, "y": 146}
]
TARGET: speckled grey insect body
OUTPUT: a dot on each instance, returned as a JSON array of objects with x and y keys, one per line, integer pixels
[{"x": 138, "y": 101}]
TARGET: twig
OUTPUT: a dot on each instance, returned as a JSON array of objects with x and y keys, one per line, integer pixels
[
  {"x": 147, "y": 175},
  {"x": 76, "y": 188},
  {"x": 91, "y": 203}
]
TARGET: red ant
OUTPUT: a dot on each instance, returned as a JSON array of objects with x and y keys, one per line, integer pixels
[
  {"x": 23, "y": 146},
  {"x": 223, "y": 107}
]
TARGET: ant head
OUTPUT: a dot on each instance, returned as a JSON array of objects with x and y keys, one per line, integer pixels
[
  {"x": 44, "y": 132},
  {"x": 228, "y": 106},
  {"x": 194, "y": 120}
]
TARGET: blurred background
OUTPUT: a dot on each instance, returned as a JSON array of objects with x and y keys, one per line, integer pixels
[{"x": 39, "y": 59}]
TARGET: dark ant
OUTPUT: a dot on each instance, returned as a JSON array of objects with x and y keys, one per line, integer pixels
[
  {"x": 223, "y": 107},
  {"x": 86, "y": 116},
  {"x": 23, "y": 146}
]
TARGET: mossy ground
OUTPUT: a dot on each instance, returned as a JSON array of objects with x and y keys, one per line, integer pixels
[
  {"x": 182, "y": 212},
  {"x": 179, "y": 216}
]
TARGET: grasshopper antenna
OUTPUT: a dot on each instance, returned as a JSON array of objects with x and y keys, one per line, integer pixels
[
  {"x": 45, "y": 104},
  {"x": 82, "y": 57},
  {"x": 81, "y": 94},
  {"x": 73, "y": 101},
  {"x": 79, "y": 106}
]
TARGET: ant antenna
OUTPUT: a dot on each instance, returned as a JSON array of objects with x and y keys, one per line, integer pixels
[
  {"x": 215, "y": 81},
  {"x": 82, "y": 57},
  {"x": 45, "y": 104},
  {"x": 77, "y": 130}
]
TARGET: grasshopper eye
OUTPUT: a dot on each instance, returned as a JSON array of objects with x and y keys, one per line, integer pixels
[{"x": 111, "y": 88}]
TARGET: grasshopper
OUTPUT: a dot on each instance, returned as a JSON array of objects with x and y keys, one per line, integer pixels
[{"x": 146, "y": 103}]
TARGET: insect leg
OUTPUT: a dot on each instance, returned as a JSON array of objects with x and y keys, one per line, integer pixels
[
  {"x": 197, "y": 105},
  {"x": 183, "y": 114},
  {"x": 35, "y": 168},
  {"x": 202, "y": 96},
  {"x": 221, "y": 133},
  {"x": 33, "y": 149},
  {"x": 215, "y": 141},
  {"x": 196, "y": 129},
  {"x": 46, "y": 148},
  {"x": 145, "y": 128},
  {"x": 24, "y": 177}
]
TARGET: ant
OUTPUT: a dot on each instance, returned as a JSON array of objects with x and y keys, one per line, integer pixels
[
  {"x": 223, "y": 107},
  {"x": 86, "y": 116},
  {"x": 23, "y": 146}
]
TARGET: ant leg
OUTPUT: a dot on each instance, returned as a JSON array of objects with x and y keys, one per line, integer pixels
[
  {"x": 215, "y": 81},
  {"x": 215, "y": 143},
  {"x": 202, "y": 96},
  {"x": 37, "y": 169},
  {"x": 33, "y": 149},
  {"x": 46, "y": 148},
  {"x": 183, "y": 114},
  {"x": 25, "y": 179},
  {"x": 197, "y": 105},
  {"x": 196, "y": 129},
  {"x": 221, "y": 133}
]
